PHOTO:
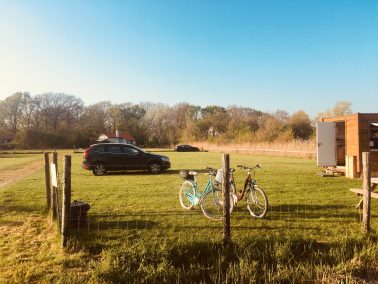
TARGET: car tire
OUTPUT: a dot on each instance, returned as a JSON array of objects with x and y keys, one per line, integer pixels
[
  {"x": 99, "y": 170},
  {"x": 155, "y": 168}
]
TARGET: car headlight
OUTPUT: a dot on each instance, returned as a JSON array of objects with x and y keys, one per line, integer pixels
[{"x": 165, "y": 159}]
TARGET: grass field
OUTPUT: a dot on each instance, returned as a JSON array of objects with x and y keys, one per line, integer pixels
[
  {"x": 138, "y": 232},
  {"x": 10, "y": 162}
]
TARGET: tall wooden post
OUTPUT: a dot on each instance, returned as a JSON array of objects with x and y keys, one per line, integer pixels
[
  {"x": 47, "y": 180},
  {"x": 226, "y": 199},
  {"x": 55, "y": 160},
  {"x": 366, "y": 177},
  {"x": 54, "y": 193},
  {"x": 66, "y": 202}
]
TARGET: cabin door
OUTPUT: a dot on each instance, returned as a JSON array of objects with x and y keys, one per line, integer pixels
[{"x": 326, "y": 143}]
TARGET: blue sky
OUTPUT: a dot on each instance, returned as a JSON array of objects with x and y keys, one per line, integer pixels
[{"x": 269, "y": 55}]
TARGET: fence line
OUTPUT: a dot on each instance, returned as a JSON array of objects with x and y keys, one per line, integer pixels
[
  {"x": 66, "y": 200},
  {"x": 47, "y": 180},
  {"x": 366, "y": 175},
  {"x": 291, "y": 212},
  {"x": 261, "y": 150},
  {"x": 226, "y": 199}
]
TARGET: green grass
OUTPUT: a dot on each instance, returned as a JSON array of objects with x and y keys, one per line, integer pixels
[
  {"x": 138, "y": 231},
  {"x": 17, "y": 161}
]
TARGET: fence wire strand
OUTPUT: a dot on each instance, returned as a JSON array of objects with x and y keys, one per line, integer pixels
[{"x": 327, "y": 215}]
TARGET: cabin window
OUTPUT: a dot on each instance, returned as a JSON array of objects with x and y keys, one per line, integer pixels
[{"x": 373, "y": 136}]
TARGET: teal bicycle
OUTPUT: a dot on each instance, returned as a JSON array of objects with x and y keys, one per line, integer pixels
[{"x": 210, "y": 199}]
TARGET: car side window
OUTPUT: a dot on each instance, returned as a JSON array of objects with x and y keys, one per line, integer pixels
[
  {"x": 115, "y": 149},
  {"x": 100, "y": 149},
  {"x": 130, "y": 151}
]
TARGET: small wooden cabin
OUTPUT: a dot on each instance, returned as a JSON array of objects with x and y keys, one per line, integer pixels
[{"x": 345, "y": 138}]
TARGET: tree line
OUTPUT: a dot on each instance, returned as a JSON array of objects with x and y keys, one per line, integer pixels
[{"x": 61, "y": 120}]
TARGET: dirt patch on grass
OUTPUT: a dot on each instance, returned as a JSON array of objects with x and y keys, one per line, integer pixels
[{"x": 12, "y": 176}]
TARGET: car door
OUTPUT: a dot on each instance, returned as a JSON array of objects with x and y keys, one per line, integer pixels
[
  {"x": 133, "y": 159},
  {"x": 115, "y": 157}
]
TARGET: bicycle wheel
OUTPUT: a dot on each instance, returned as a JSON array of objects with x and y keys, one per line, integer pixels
[
  {"x": 186, "y": 187},
  {"x": 212, "y": 204},
  {"x": 257, "y": 202}
]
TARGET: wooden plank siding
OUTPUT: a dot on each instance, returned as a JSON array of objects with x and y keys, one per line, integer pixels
[
  {"x": 374, "y": 163},
  {"x": 357, "y": 137},
  {"x": 365, "y": 120}
]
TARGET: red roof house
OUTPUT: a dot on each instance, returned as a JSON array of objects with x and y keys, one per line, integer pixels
[
  {"x": 117, "y": 137},
  {"x": 6, "y": 138}
]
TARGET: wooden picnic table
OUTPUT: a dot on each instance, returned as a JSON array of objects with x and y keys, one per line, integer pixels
[{"x": 360, "y": 191}]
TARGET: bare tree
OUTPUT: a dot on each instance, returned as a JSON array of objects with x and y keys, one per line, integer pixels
[
  {"x": 57, "y": 108},
  {"x": 95, "y": 118},
  {"x": 160, "y": 125},
  {"x": 341, "y": 108},
  {"x": 12, "y": 109}
]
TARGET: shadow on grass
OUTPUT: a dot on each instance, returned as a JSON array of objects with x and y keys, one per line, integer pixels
[
  {"x": 172, "y": 213},
  {"x": 123, "y": 225},
  {"x": 289, "y": 260},
  {"x": 11, "y": 223},
  {"x": 19, "y": 208}
]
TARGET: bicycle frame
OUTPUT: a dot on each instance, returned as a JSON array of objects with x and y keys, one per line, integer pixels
[
  {"x": 248, "y": 183},
  {"x": 196, "y": 198}
]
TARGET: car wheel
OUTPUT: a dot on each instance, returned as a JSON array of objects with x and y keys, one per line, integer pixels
[
  {"x": 99, "y": 170},
  {"x": 155, "y": 168}
]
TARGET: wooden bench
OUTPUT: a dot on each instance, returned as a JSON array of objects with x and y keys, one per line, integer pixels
[{"x": 360, "y": 192}]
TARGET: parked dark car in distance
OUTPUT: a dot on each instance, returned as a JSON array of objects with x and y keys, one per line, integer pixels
[
  {"x": 104, "y": 157},
  {"x": 186, "y": 148}
]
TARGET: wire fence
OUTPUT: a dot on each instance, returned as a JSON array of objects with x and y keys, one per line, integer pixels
[{"x": 137, "y": 204}]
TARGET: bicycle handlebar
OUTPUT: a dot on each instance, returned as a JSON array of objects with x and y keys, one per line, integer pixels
[
  {"x": 249, "y": 168},
  {"x": 211, "y": 170}
]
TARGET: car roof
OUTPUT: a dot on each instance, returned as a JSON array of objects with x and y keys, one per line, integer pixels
[{"x": 114, "y": 144}]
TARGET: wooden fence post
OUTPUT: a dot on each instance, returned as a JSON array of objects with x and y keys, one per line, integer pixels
[
  {"x": 47, "y": 177},
  {"x": 66, "y": 202},
  {"x": 55, "y": 160},
  {"x": 226, "y": 198},
  {"x": 366, "y": 176},
  {"x": 54, "y": 200}
]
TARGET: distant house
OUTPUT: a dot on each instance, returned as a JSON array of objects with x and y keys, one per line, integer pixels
[
  {"x": 117, "y": 137},
  {"x": 6, "y": 138},
  {"x": 212, "y": 132}
]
